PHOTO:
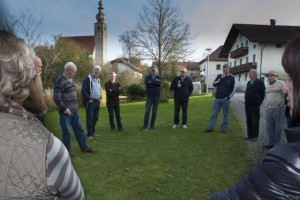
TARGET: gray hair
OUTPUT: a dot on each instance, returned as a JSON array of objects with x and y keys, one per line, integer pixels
[
  {"x": 225, "y": 65},
  {"x": 69, "y": 65},
  {"x": 16, "y": 69},
  {"x": 96, "y": 68},
  {"x": 114, "y": 73},
  {"x": 254, "y": 70}
]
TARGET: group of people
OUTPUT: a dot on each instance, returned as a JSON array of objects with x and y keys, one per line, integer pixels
[{"x": 52, "y": 173}]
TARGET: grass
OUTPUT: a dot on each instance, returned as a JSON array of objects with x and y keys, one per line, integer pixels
[{"x": 162, "y": 163}]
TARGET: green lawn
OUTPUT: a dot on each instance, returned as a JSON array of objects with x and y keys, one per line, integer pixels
[{"x": 162, "y": 163}]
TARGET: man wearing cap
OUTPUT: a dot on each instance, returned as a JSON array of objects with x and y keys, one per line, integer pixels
[
  {"x": 152, "y": 82},
  {"x": 274, "y": 102}
]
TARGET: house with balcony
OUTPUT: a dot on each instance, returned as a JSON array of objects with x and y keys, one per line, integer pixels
[
  {"x": 214, "y": 65},
  {"x": 260, "y": 47}
]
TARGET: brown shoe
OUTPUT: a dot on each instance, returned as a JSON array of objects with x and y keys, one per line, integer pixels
[
  {"x": 268, "y": 146},
  {"x": 90, "y": 150},
  {"x": 72, "y": 154}
]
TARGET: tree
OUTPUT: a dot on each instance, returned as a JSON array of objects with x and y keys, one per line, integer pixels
[
  {"x": 161, "y": 34},
  {"x": 129, "y": 47},
  {"x": 24, "y": 26},
  {"x": 54, "y": 57}
]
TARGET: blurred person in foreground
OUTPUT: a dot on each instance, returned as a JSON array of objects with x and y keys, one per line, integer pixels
[
  {"x": 34, "y": 163},
  {"x": 113, "y": 90},
  {"x": 35, "y": 102},
  {"x": 278, "y": 177},
  {"x": 65, "y": 97}
]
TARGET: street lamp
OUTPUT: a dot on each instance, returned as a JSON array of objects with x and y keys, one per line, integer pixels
[{"x": 208, "y": 51}]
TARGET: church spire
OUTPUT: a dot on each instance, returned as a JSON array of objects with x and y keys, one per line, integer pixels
[{"x": 100, "y": 16}]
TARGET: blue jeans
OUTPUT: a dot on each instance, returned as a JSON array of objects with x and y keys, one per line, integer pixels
[
  {"x": 72, "y": 120},
  {"x": 275, "y": 121},
  {"x": 92, "y": 113},
  {"x": 151, "y": 101},
  {"x": 111, "y": 110},
  {"x": 184, "y": 105},
  {"x": 218, "y": 104}
]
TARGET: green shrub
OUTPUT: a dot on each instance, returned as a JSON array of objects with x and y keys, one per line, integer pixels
[
  {"x": 165, "y": 91},
  {"x": 137, "y": 91}
]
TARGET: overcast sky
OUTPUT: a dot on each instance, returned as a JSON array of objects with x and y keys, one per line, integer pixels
[{"x": 210, "y": 20}]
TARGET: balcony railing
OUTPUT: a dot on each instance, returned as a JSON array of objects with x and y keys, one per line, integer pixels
[
  {"x": 239, "y": 52},
  {"x": 243, "y": 68}
]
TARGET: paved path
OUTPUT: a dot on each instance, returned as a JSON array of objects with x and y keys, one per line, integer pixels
[{"x": 256, "y": 152}]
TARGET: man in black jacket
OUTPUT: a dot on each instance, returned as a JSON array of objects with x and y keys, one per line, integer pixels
[
  {"x": 183, "y": 88},
  {"x": 254, "y": 96},
  {"x": 152, "y": 82},
  {"x": 225, "y": 84},
  {"x": 91, "y": 98},
  {"x": 113, "y": 90}
]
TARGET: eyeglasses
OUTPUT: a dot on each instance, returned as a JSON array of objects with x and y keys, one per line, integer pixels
[{"x": 182, "y": 71}]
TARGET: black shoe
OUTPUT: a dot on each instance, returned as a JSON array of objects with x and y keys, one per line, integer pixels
[
  {"x": 254, "y": 139},
  {"x": 207, "y": 131},
  {"x": 152, "y": 127},
  {"x": 121, "y": 130},
  {"x": 144, "y": 129},
  {"x": 248, "y": 138},
  {"x": 268, "y": 146},
  {"x": 112, "y": 130},
  {"x": 223, "y": 131}
]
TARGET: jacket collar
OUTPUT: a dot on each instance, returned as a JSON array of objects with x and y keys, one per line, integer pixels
[{"x": 293, "y": 134}]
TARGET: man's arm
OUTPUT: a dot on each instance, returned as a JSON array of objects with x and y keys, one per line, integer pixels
[
  {"x": 174, "y": 84},
  {"x": 232, "y": 87},
  {"x": 118, "y": 90},
  {"x": 108, "y": 89},
  {"x": 57, "y": 96},
  {"x": 191, "y": 87},
  {"x": 217, "y": 81},
  {"x": 62, "y": 179},
  {"x": 85, "y": 89}
]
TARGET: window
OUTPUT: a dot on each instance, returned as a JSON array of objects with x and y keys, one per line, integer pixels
[
  {"x": 254, "y": 46},
  {"x": 246, "y": 75},
  {"x": 192, "y": 74},
  {"x": 218, "y": 67},
  {"x": 242, "y": 44},
  {"x": 240, "y": 77},
  {"x": 235, "y": 63},
  {"x": 247, "y": 59},
  {"x": 246, "y": 43},
  {"x": 237, "y": 46},
  {"x": 230, "y": 64},
  {"x": 241, "y": 61},
  {"x": 254, "y": 58},
  {"x": 278, "y": 45}
]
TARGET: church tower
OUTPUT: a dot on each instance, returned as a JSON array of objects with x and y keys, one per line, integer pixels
[{"x": 100, "y": 36}]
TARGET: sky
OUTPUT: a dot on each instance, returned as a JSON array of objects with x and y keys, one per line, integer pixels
[{"x": 210, "y": 20}]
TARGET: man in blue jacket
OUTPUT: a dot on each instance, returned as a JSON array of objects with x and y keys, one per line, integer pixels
[
  {"x": 183, "y": 88},
  {"x": 91, "y": 98},
  {"x": 225, "y": 84},
  {"x": 152, "y": 82}
]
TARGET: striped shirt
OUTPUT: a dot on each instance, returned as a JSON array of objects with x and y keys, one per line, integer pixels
[
  {"x": 65, "y": 95},
  {"x": 275, "y": 94},
  {"x": 62, "y": 179}
]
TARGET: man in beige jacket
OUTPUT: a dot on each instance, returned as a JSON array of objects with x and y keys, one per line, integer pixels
[{"x": 35, "y": 103}]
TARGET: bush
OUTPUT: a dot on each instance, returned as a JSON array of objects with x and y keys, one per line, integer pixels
[
  {"x": 137, "y": 91},
  {"x": 165, "y": 91}
]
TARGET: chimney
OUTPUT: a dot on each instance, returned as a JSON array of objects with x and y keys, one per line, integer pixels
[{"x": 272, "y": 22}]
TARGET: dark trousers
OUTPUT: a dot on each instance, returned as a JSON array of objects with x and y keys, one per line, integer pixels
[
  {"x": 252, "y": 117},
  {"x": 151, "y": 102},
  {"x": 177, "y": 105},
  {"x": 111, "y": 110},
  {"x": 92, "y": 113}
]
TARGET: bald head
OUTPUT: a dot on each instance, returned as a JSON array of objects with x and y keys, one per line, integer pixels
[{"x": 38, "y": 64}]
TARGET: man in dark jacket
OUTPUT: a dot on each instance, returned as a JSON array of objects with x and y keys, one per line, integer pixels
[
  {"x": 152, "y": 82},
  {"x": 254, "y": 96},
  {"x": 225, "y": 84},
  {"x": 91, "y": 98},
  {"x": 113, "y": 90},
  {"x": 183, "y": 88}
]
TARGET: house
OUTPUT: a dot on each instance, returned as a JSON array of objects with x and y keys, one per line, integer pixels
[
  {"x": 260, "y": 47},
  {"x": 193, "y": 70},
  {"x": 121, "y": 66},
  {"x": 214, "y": 64}
]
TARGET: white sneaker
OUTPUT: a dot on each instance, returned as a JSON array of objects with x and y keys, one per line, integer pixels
[
  {"x": 184, "y": 126},
  {"x": 175, "y": 126},
  {"x": 91, "y": 137}
]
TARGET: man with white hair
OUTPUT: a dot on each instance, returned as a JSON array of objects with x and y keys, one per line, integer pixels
[
  {"x": 91, "y": 98},
  {"x": 254, "y": 96},
  {"x": 65, "y": 97}
]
